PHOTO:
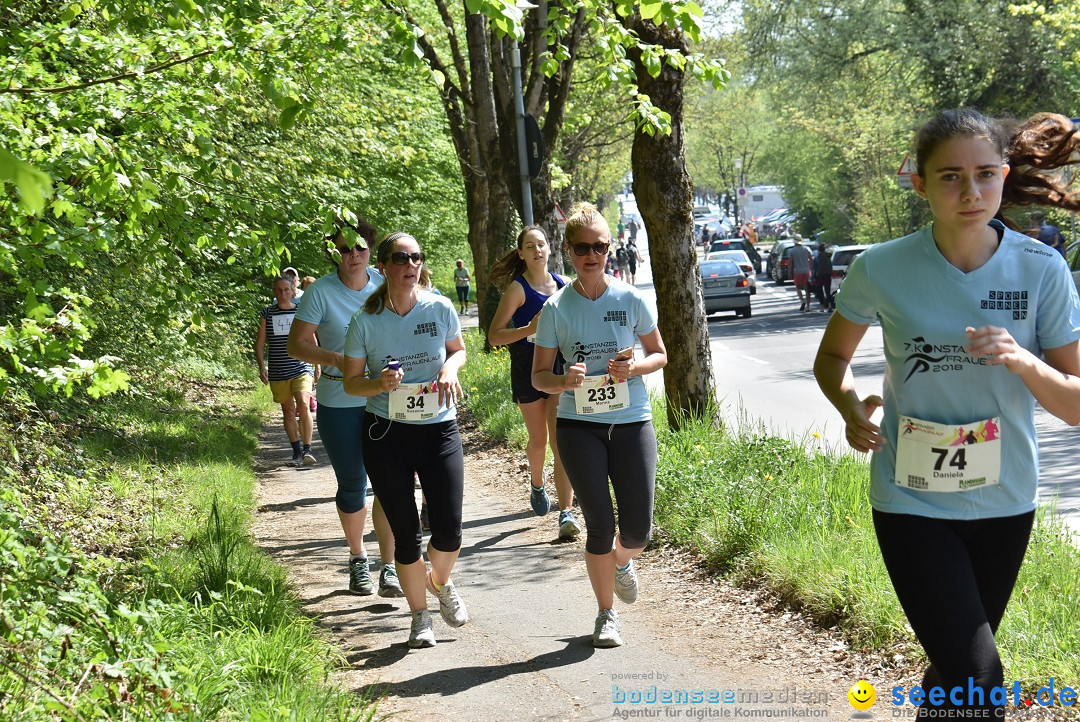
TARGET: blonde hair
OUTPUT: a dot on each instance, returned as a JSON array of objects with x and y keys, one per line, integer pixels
[{"x": 584, "y": 215}]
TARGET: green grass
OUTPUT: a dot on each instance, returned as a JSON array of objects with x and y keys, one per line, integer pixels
[
  {"x": 130, "y": 586},
  {"x": 764, "y": 510}
]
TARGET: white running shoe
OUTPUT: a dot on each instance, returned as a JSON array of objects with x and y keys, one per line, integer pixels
[
  {"x": 422, "y": 634},
  {"x": 606, "y": 631},
  {"x": 451, "y": 607},
  {"x": 626, "y": 583}
]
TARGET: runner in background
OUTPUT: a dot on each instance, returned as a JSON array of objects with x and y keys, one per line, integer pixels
[
  {"x": 290, "y": 379},
  {"x": 979, "y": 322},
  {"x": 461, "y": 283},
  {"x": 525, "y": 282},
  {"x": 403, "y": 352},
  {"x": 326, "y": 309},
  {"x": 604, "y": 428}
]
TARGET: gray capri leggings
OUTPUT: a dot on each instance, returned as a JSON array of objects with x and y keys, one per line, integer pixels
[{"x": 592, "y": 452}]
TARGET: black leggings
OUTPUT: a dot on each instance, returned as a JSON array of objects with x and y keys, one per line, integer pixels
[
  {"x": 392, "y": 452},
  {"x": 953, "y": 579},
  {"x": 626, "y": 453}
]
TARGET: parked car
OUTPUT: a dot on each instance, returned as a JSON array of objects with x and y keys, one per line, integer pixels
[
  {"x": 777, "y": 253},
  {"x": 739, "y": 244},
  {"x": 725, "y": 288},
  {"x": 1072, "y": 255},
  {"x": 742, "y": 261},
  {"x": 842, "y": 257}
]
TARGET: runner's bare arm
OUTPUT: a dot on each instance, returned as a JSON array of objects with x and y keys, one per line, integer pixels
[{"x": 832, "y": 369}]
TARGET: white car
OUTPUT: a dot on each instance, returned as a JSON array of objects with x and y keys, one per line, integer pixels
[
  {"x": 741, "y": 260},
  {"x": 842, "y": 256}
]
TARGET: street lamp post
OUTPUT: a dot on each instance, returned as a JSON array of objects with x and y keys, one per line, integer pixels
[{"x": 738, "y": 185}]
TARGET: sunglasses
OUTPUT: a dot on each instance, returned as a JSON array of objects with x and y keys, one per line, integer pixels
[
  {"x": 400, "y": 258},
  {"x": 345, "y": 250},
  {"x": 582, "y": 249}
]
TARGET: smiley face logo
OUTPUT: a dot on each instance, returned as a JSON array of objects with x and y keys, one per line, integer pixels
[{"x": 862, "y": 695}]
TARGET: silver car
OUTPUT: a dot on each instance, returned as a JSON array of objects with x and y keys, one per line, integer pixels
[{"x": 725, "y": 288}]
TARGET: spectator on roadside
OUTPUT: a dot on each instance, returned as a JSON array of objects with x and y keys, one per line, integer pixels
[
  {"x": 621, "y": 227},
  {"x": 604, "y": 425},
  {"x": 632, "y": 229},
  {"x": 822, "y": 278},
  {"x": 327, "y": 307},
  {"x": 290, "y": 380},
  {"x": 622, "y": 258},
  {"x": 953, "y": 522},
  {"x": 634, "y": 258},
  {"x": 1048, "y": 234},
  {"x": 305, "y": 282},
  {"x": 800, "y": 271},
  {"x": 461, "y": 283}
]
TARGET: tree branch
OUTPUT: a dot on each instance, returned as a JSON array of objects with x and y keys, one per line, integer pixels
[{"x": 114, "y": 79}]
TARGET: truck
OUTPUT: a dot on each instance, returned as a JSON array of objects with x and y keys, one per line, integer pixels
[{"x": 759, "y": 200}]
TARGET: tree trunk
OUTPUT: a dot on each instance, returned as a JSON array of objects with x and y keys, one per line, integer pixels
[{"x": 664, "y": 195}]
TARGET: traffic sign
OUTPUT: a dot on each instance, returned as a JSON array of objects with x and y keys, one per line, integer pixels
[
  {"x": 907, "y": 169},
  {"x": 560, "y": 216}
]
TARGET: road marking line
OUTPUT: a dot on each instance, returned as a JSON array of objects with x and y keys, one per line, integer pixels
[{"x": 755, "y": 360}]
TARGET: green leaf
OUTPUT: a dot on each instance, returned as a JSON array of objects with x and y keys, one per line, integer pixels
[
  {"x": 649, "y": 10},
  {"x": 289, "y": 116},
  {"x": 34, "y": 186}
]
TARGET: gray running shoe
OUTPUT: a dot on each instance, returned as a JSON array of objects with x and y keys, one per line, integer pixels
[
  {"x": 298, "y": 459},
  {"x": 606, "y": 631},
  {"x": 389, "y": 586},
  {"x": 421, "y": 634},
  {"x": 626, "y": 584},
  {"x": 539, "y": 500},
  {"x": 451, "y": 607},
  {"x": 309, "y": 458},
  {"x": 568, "y": 526},
  {"x": 359, "y": 577}
]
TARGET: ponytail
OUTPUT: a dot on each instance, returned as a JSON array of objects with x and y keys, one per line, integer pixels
[
  {"x": 512, "y": 265},
  {"x": 1038, "y": 147}
]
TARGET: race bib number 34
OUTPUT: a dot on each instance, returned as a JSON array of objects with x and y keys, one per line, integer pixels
[
  {"x": 414, "y": 402},
  {"x": 601, "y": 395},
  {"x": 948, "y": 457}
]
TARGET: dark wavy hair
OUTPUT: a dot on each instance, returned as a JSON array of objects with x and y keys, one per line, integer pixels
[
  {"x": 1035, "y": 150},
  {"x": 512, "y": 265},
  {"x": 363, "y": 229}
]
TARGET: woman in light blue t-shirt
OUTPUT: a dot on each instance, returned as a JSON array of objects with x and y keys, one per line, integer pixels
[
  {"x": 604, "y": 421},
  {"x": 326, "y": 308},
  {"x": 403, "y": 351},
  {"x": 978, "y": 323}
]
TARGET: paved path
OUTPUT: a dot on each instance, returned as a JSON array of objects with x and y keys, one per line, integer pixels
[{"x": 526, "y": 653}]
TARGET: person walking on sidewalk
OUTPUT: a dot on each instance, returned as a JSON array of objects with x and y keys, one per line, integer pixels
[
  {"x": 290, "y": 379},
  {"x": 801, "y": 258},
  {"x": 326, "y": 307},
  {"x": 461, "y": 283},
  {"x": 604, "y": 426},
  {"x": 410, "y": 428},
  {"x": 822, "y": 278},
  {"x": 523, "y": 277},
  {"x": 953, "y": 522}
]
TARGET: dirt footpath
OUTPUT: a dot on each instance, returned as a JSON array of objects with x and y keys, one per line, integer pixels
[{"x": 526, "y": 653}]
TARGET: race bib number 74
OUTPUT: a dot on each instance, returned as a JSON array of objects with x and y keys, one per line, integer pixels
[{"x": 948, "y": 457}]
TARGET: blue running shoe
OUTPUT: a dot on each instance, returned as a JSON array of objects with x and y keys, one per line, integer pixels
[{"x": 541, "y": 504}]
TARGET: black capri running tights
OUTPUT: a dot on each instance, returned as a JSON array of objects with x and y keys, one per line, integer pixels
[
  {"x": 953, "y": 579},
  {"x": 626, "y": 453},
  {"x": 392, "y": 452}
]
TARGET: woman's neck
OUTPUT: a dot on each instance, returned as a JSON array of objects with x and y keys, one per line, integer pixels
[
  {"x": 401, "y": 301},
  {"x": 966, "y": 251},
  {"x": 536, "y": 275},
  {"x": 592, "y": 288}
]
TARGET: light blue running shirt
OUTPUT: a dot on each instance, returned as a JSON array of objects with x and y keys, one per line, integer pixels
[
  {"x": 924, "y": 304},
  {"x": 330, "y": 304},
  {"x": 593, "y": 332},
  {"x": 417, "y": 339}
]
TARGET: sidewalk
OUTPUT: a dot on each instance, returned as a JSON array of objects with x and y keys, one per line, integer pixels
[{"x": 526, "y": 652}]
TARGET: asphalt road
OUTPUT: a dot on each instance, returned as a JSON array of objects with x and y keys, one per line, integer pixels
[{"x": 764, "y": 378}]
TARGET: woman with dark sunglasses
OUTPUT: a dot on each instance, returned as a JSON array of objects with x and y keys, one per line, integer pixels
[
  {"x": 326, "y": 307},
  {"x": 604, "y": 425},
  {"x": 403, "y": 352},
  {"x": 523, "y": 277}
]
